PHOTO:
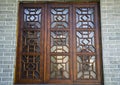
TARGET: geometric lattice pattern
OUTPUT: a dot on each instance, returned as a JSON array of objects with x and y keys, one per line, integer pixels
[
  {"x": 30, "y": 67},
  {"x": 32, "y": 18},
  {"x": 31, "y": 41},
  {"x": 60, "y": 67},
  {"x": 59, "y": 18},
  {"x": 59, "y": 41},
  {"x": 86, "y": 67},
  {"x": 85, "y": 41},
  {"x": 85, "y": 18},
  {"x": 30, "y": 56}
]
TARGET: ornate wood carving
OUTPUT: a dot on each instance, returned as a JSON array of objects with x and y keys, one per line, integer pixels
[
  {"x": 59, "y": 43},
  {"x": 86, "y": 43}
]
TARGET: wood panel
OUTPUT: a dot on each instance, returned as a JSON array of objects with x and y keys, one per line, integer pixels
[
  {"x": 30, "y": 44},
  {"x": 87, "y": 51},
  {"x": 59, "y": 43},
  {"x": 59, "y": 46}
]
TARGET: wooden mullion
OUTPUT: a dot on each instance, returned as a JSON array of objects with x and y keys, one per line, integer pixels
[
  {"x": 98, "y": 44},
  {"x": 62, "y": 54},
  {"x": 18, "y": 59},
  {"x": 47, "y": 27},
  {"x": 34, "y": 54},
  {"x": 86, "y": 53},
  {"x": 31, "y": 29},
  {"x": 42, "y": 44},
  {"x": 84, "y": 29},
  {"x": 45, "y": 43},
  {"x": 64, "y": 29},
  {"x": 59, "y": 15}
]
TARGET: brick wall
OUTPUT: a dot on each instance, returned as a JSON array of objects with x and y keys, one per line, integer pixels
[
  {"x": 110, "y": 26},
  {"x": 110, "y": 20},
  {"x": 8, "y": 16}
]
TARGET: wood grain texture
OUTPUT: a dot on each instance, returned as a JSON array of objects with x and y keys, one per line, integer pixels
[{"x": 65, "y": 41}]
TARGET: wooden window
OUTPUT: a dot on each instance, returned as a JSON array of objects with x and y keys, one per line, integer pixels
[{"x": 59, "y": 43}]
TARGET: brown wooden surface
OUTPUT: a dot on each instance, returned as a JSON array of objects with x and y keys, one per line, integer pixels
[{"x": 45, "y": 45}]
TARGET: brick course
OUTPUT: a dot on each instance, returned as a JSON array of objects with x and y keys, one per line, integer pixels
[
  {"x": 8, "y": 21},
  {"x": 110, "y": 14}
]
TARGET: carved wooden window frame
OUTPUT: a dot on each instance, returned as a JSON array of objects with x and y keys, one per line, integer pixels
[{"x": 84, "y": 43}]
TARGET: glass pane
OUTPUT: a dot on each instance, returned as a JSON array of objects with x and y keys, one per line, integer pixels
[
  {"x": 30, "y": 67},
  {"x": 59, "y": 67},
  {"x": 59, "y": 41},
  {"x": 32, "y": 18},
  {"x": 85, "y": 41},
  {"x": 59, "y": 18},
  {"x": 85, "y": 18},
  {"x": 31, "y": 41},
  {"x": 86, "y": 67}
]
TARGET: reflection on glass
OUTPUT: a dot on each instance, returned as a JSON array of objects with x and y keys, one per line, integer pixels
[
  {"x": 31, "y": 41},
  {"x": 86, "y": 67},
  {"x": 59, "y": 41},
  {"x": 85, "y": 41},
  {"x": 32, "y": 18},
  {"x": 59, "y": 67},
  {"x": 59, "y": 18},
  {"x": 30, "y": 67},
  {"x": 85, "y": 18}
]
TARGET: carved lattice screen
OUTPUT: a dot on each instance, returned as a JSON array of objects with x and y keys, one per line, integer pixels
[{"x": 59, "y": 43}]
